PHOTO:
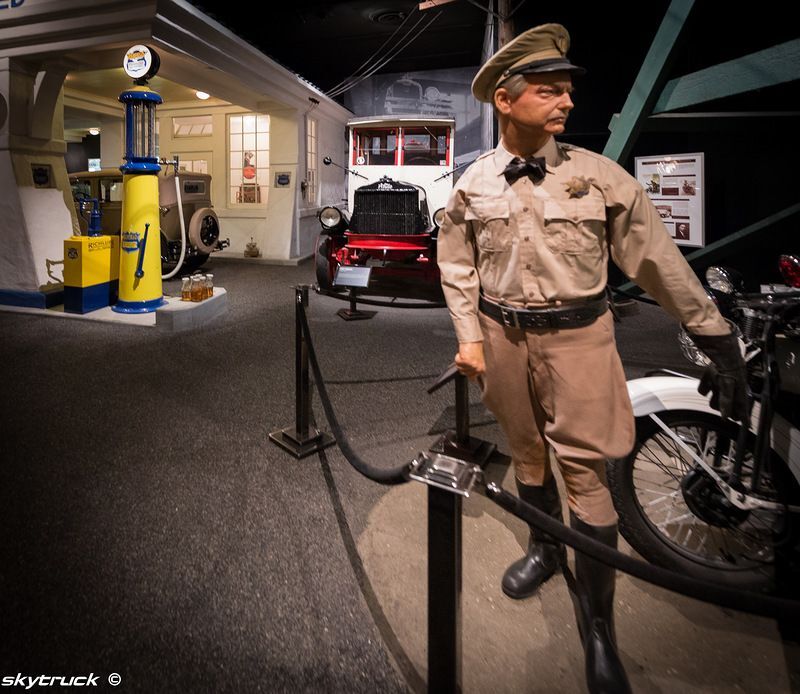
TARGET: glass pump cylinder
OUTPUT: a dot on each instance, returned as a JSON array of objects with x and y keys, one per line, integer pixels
[{"x": 140, "y": 130}]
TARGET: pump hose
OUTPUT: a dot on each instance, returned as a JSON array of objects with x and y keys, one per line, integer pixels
[
  {"x": 396, "y": 475},
  {"x": 177, "y": 268},
  {"x": 714, "y": 593}
]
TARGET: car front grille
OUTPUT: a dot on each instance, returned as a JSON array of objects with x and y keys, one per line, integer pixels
[{"x": 386, "y": 212}]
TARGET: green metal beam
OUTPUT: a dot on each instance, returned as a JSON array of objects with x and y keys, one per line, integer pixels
[
  {"x": 717, "y": 121},
  {"x": 765, "y": 68},
  {"x": 710, "y": 253},
  {"x": 649, "y": 82}
]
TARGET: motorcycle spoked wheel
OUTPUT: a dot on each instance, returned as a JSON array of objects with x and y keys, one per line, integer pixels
[{"x": 674, "y": 514}]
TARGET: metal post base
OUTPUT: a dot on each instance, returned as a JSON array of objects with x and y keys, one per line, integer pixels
[
  {"x": 474, "y": 451},
  {"x": 354, "y": 314},
  {"x": 300, "y": 447}
]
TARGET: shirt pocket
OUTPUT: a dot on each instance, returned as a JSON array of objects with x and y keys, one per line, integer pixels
[
  {"x": 492, "y": 224},
  {"x": 574, "y": 226}
]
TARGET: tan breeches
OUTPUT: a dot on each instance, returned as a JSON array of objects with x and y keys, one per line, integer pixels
[{"x": 565, "y": 390}]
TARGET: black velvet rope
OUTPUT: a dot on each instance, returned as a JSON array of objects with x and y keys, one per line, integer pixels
[
  {"x": 721, "y": 595},
  {"x": 372, "y": 302},
  {"x": 396, "y": 475},
  {"x": 706, "y": 591}
]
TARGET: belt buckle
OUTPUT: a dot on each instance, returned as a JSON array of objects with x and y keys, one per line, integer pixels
[{"x": 513, "y": 321}]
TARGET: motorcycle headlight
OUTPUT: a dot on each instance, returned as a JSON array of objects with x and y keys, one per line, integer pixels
[
  {"x": 438, "y": 217},
  {"x": 330, "y": 217},
  {"x": 721, "y": 279}
]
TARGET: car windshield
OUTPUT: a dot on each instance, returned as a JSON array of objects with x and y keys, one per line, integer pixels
[
  {"x": 425, "y": 146},
  {"x": 375, "y": 146},
  {"x": 81, "y": 189},
  {"x": 111, "y": 189}
]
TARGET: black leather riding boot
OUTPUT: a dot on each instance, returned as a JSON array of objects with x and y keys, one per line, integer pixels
[
  {"x": 545, "y": 554},
  {"x": 594, "y": 608}
]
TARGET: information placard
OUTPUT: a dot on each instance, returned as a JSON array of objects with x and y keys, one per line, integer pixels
[
  {"x": 674, "y": 182},
  {"x": 352, "y": 276}
]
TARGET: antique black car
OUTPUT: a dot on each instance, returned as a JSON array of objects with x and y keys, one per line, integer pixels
[{"x": 399, "y": 175}]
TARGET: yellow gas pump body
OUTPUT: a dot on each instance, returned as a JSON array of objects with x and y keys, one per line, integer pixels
[{"x": 140, "y": 247}]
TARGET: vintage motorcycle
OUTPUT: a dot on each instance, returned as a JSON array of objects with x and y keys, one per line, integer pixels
[{"x": 701, "y": 494}]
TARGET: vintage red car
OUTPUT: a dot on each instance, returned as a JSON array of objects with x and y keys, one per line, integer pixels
[{"x": 400, "y": 174}]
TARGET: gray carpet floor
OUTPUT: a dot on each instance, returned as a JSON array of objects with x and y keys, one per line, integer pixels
[{"x": 149, "y": 528}]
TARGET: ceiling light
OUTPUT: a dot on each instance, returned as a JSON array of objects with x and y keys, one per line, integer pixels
[
  {"x": 202, "y": 95},
  {"x": 94, "y": 131},
  {"x": 388, "y": 17}
]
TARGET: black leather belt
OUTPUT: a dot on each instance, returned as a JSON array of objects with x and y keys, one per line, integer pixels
[{"x": 573, "y": 316}]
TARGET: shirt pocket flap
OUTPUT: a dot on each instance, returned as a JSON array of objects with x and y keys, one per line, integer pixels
[
  {"x": 485, "y": 209},
  {"x": 575, "y": 210}
]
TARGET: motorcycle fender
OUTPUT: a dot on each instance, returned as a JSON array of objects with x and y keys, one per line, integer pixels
[{"x": 659, "y": 393}]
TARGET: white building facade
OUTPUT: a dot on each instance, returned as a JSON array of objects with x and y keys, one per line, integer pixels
[{"x": 261, "y": 134}]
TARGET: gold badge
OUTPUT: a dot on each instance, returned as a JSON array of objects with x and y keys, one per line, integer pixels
[{"x": 578, "y": 186}]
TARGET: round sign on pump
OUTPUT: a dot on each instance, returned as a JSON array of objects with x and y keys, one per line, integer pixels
[{"x": 141, "y": 62}]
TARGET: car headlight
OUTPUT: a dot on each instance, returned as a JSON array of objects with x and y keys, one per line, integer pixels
[
  {"x": 330, "y": 217},
  {"x": 721, "y": 279},
  {"x": 438, "y": 217}
]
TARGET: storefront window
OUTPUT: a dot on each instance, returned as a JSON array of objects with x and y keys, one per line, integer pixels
[
  {"x": 311, "y": 161},
  {"x": 192, "y": 126},
  {"x": 248, "y": 138}
]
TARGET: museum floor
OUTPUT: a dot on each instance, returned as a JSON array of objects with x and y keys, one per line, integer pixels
[{"x": 149, "y": 528}]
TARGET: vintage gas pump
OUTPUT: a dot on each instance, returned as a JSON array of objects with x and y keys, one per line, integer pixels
[{"x": 140, "y": 289}]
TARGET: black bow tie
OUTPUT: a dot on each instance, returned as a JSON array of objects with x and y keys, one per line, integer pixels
[{"x": 532, "y": 167}]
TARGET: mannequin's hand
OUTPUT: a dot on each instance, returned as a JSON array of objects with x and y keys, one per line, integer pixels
[{"x": 469, "y": 359}]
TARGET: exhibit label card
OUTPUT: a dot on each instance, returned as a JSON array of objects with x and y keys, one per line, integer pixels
[{"x": 674, "y": 182}]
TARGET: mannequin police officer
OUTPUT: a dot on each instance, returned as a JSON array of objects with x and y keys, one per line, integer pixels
[{"x": 523, "y": 253}]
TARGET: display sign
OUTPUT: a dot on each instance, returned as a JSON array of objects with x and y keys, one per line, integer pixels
[
  {"x": 42, "y": 175},
  {"x": 674, "y": 183},
  {"x": 352, "y": 276},
  {"x": 283, "y": 179},
  {"x": 141, "y": 62}
]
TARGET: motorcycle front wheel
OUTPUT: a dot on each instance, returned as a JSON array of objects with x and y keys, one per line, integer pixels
[{"x": 674, "y": 514}]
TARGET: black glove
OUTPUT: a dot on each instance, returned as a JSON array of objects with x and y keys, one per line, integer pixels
[{"x": 726, "y": 376}]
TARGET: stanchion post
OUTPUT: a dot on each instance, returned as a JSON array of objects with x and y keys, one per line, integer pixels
[
  {"x": 301, "y": 439},
  {"x": 462, "y": 410},
  {"x": 449, "y": 478},
  {"x": 302, "y": 384},
  {"x": 459, "y": 444},
  {"x": 444, "y": 591}
]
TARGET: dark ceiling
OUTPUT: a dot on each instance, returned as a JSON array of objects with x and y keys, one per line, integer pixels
[{"x": 327, "y": 42}]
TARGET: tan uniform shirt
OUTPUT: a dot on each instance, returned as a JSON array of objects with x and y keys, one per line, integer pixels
[{"x": 532, "y": 245}]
